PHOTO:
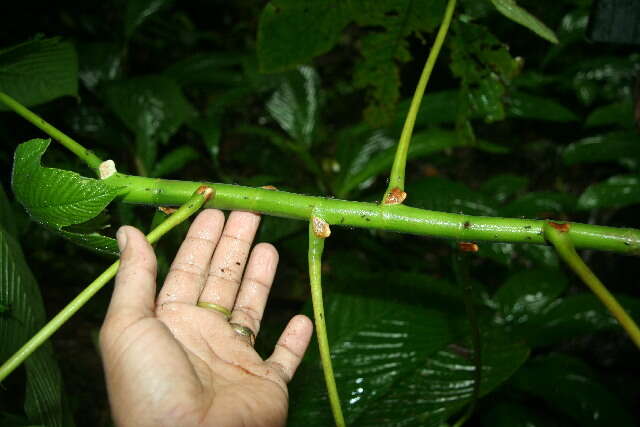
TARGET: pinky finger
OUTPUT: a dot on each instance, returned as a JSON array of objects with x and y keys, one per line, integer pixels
[{"x": 291, "y": 346}]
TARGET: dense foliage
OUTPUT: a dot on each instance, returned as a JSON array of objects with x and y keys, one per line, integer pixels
[{"x": 310, "y": 96}]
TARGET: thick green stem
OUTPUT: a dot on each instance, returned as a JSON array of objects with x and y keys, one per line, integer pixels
[
  {"x": 557, "y": 234},
  {"x": 399, "y": 218},
  {"x": 192, "y": 205},
  {"x": 316, "y": 246},
  {"x": 396, "y": 181},
  {"x": 87, "y": 156}
]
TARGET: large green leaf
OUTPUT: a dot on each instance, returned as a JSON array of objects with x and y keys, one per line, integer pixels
[
  {"x": 540, "y": 204},
  {"x": 569, "y": 386},
  {"x": 442, "y": 194},
  {"x": 444, "y": 383},
  {"x": 608, "y": 147},
  {"x": 99, "y": 62},
  {"x": 152, "y": 107},
  {"x": 511, "y": 10},
  {"x": 38, "y": 71},
  {"x": 485, "y": 66},
  {"x": 359, "y": 164},
  {"x": 618, "y": 191},
  {"x": 528, "y": 293},
  {"x": 574, "y": 316},
  {"x": 215, "y": 68},
  {"x": 374, "y": 344},
  {"x": 55, "y": 197},
  {"x": 526, "y": 106},
  {"x": 292, "y": 32},
  {"x": 294, "y": 105},
  {"x": 503, "y": 186},
  {"x": 175, "y": 160},
  {"x": 45, "y": 402},
  {"x": 616, "y": 114}
]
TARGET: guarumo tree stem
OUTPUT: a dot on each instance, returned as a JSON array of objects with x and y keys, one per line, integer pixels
[
  {"x": 193, "y": 204},
  {"x": 398, "y": 218}
]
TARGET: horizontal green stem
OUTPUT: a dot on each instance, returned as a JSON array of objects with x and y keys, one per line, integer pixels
[
  {"x": 398, "y": 218},
  {"x": 565, "y": 248},
  {"x": 194, "y": 203},
  {"x": 87, "y": 156},
  {"x": 316, "y": 247}
]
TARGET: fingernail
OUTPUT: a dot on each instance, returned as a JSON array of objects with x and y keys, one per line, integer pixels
[{"x": 121, "y": 236}]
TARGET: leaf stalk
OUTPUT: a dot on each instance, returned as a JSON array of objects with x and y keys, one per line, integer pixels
[
  {"x": 396, "y": 180},
  {"x": 316, "y": 247},
  {"x": 557, "y": 234}
]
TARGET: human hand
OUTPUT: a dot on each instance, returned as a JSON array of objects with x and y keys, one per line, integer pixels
[{"x": 169, "y": 362}]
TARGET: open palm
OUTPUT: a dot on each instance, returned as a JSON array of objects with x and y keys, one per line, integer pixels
[{"x": 170, "y": 362}]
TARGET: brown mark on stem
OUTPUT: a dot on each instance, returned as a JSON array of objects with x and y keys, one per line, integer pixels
[
  {"x": 561, "y": 227},
  {"x": 320, "y": 227},
  {"x": 468, "y": 246},
  {"x": 167, "y": 210},
  {"x": 269, "y": 187},
  {"x": 207, "y": 192},
  {"x": 395, "y": 197}
]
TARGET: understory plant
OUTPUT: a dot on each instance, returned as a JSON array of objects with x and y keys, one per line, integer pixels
[{"x": 523, "y": 173}]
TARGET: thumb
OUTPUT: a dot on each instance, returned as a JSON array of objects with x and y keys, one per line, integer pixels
[{"x": 135, "y": 287}]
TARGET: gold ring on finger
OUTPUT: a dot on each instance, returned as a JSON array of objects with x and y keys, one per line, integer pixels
[{"x": 212, "y": 306}]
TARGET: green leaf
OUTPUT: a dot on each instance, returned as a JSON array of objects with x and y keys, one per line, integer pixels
[
  {"x": 603, "y": 148},
  {"x": 7, "y": 221},
  {"x": 526, "y": 106},
  {"x": 55, "y": 197},
  {"x": 540, "y": 204},
  {"x": 152, "y": 107},
  {"x": 569, "y": 386},
  {"x": 616, "y": 192},
  {"x": 485, "y": 66},
  {"x": 444, "y": 384},
  {"x": 387, "y": 46},
  {"x": 174, "y": 160},
  {"x": 93, "y": 241},
  {"x": 137, "y": 11},
  {"x": 217, "y": 68},
  {"x": 503, "y": 186},
  {"x": 528, "y": 293},
  {"x": 292, "y": 32},
  {"x": 294, "y": 105},
  {"x": 38, "y": 71},
  {"x": 374, "y": 344},
  {"x": 511, "y": 10},
  {"x": 436, "y": 108},
  {"x": 99, "y": 62},
  {"x": 616, "y": 114},
  {"x": 45, "y": 397},
  {"x": 442, "y": 194},
  {"x": 377, "y": 152},
  {"x": 575, "y": 316}
]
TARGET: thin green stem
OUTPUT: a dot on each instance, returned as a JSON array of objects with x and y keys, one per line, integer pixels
[
  {"x": 396, "y": 179},
  {"x": 556, "y": 234},
  {"x": 403, "y": 219},
  {"x": 316, "y": 246},
  {"x": 192, "y": 205},
  {"x": 87, "y": 156}
]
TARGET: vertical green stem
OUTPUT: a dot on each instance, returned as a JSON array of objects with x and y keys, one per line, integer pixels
[
  {"x": 87, "y": 156},
  {"x": 192, "y": 205},
  {"x": 316, "y": 246},
  {"x": 560, "y": 239},
  {"x": 399, "y": 163}
]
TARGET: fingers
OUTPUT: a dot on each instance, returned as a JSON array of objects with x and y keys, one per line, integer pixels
[
  {"x": 230, "y": 258},
  {"x": 291, "y": 346},
  {"x": 135, "y": 286},
  {"x": 256, "y": 284},
  {"x": 191, "y": 265}
]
